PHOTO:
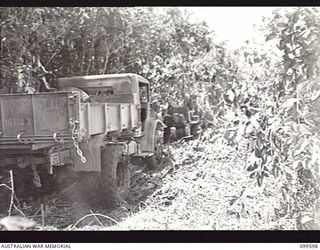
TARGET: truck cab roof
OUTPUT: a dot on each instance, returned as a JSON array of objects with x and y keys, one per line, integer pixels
[{"x": 100, "y": 80}]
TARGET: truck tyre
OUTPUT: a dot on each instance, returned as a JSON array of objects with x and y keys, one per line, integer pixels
[
  {"x": 155, "y": 160},
  {"x": 114, "y": 176},
  {"x": 167, "y": 135},
  {"x": 194, "y": 130}
]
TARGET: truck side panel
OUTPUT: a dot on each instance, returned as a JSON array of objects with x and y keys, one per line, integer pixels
[
  {"x": 121, "y": 116},
  {"x": 97, "y": 118}
]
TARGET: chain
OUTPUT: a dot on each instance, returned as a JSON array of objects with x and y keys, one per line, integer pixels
[
  {"x": 75, "y": 141},
  {"x": 36, "y": 177}
]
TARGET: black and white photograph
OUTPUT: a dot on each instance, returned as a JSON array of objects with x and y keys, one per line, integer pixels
[{"x": 159, "y": 118}]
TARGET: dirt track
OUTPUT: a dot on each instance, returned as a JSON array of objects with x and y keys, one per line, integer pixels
[
  {"x": 203, "y": 184},
  {"x": 67, "y": 208}
]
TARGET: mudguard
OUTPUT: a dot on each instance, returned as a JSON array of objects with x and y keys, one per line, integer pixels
[
  {"x": 92, "y": 152},
  {"x": 148, "y": 140}
]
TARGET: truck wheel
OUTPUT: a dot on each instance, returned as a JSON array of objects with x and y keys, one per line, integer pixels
[
  {"x": 166, "y": 135},
  {"x": 194, "y": 130},
  {"x": 114, "y": 176},
  {"x": 155, "y": 160}
]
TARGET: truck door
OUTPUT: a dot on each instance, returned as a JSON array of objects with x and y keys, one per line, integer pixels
[{"x": 144, "y": 95}]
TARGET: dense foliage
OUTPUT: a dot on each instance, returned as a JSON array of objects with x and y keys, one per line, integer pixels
[
  {"x": 273, "y": 111},
  {"x": 42, "y": 44}
]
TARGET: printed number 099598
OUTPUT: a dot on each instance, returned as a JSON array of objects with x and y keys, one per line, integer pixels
[{"x": 308, "y": 245}]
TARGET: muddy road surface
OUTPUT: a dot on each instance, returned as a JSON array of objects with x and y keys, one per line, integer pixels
[{"x": 66, "y": 208}]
